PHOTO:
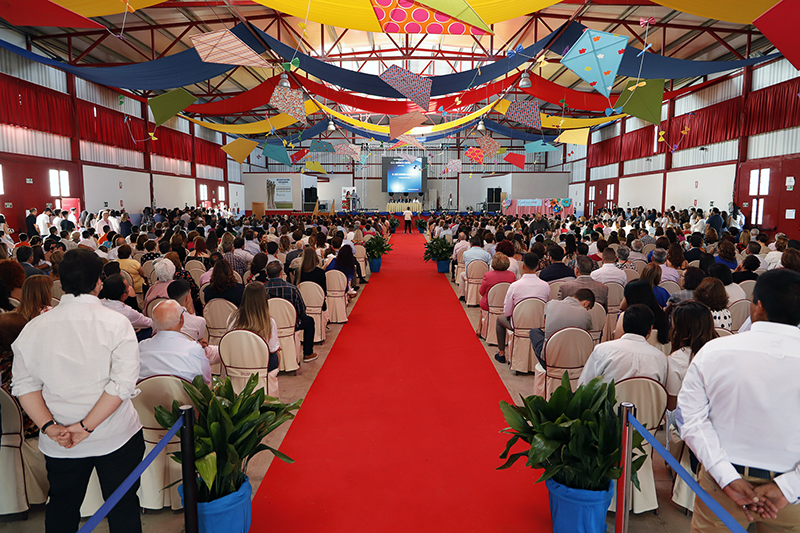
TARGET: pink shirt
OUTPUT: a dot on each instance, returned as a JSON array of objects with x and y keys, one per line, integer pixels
[{"x": 490, "y": 279}]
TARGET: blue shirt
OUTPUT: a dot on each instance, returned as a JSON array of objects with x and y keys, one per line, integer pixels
[{"x": 476, "y": 253}]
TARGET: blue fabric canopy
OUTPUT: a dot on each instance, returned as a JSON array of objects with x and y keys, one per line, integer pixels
[
  {"x": 307, "y": 134},
  {"x": 385, "y": 138},
  {"x": 491, "y": 125},
  {"x": 177, "y": 70}
]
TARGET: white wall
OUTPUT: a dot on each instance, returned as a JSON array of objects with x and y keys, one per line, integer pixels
[
  {"x": 119, "y": 188},
  {"x": 236, "y": 197},
  {"x": 700, "y": 187},
  {"x": 172, "y": 191},
  {"x": 332, "y": 190},
  {"x": 641, "y": 190},
  {"x": 577, "y": 192},
  {"x": 473, "y": 190},
  {"x": 540, "y": 185}
]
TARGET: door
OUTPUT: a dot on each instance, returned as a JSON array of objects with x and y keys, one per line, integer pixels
[{"x": 69, "y": 203}]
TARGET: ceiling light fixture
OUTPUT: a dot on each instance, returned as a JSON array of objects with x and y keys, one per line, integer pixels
[
  {"x": 481, "y": 127},
  {"x": 525, "y": 81},
  {"x": 331, "y": 125},
  {"x": 284, "y": 82}
]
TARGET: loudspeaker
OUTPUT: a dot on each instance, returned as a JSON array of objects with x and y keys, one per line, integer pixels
[
  {"x": 391, "y": 195},
  {"x": 310, "y": 195},
  {"x": 405, "y": 194},
  {"x": 493, "y": 206},
  {"x": 493, "y": 195},
  {"x": 421, "y": 194}
]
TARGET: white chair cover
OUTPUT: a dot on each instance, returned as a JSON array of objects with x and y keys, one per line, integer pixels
[
  {"x": 748, "y": 286},
  {"x": 149, "y": 272},
  {"x": 94, "y": 496},
  {"x": 54, "y": 302},
  {"x": 670, "y": 286},
  {"x": 681, "y": 493},
  {"x": 244, "y": 353},
  {"x": 337, "y": 296},
  {"x": 127, "y": 277},
  {"x": 647, "y": 248},
  {"x": 616, "y": 293},
  {"x": 555, "y": 287},
  {"x": 314, "y": 298},
  {"x": 237, "y": 277},
  {"x": 722, "y": 332},
  {"x": 614, "y": 246},
  {"x": 203, "y": 293},
  {"x": 598, "y": 314},
  {"x": 475, "y": 272},
  {"x": 639, "y": 265},
  {"x": 695, "y": 263},
  {"x": 527, "y": 314},
  {"x": 495, "y": 298},
  {"x": 192, "y": 264},
  {"x": 196, "y": 273},
  {"x": 14, "y": 302},
  {"x": 57, "y": 291},
  {"x": 652, "y": 339},
  {"x": 159, "y": 390},
  {"x": 148, "y": 312},
  {"x": 650, "y": 399},
  {"x": 361, "y": 258},
  {"x": 286, "y": 317},
  {"x": 217, "y": 313},
  {"x": 740, "y": 311},
  {"x": 460, "y": 266},
  {"x": 631, "y": 274},
  {"x": 566, "y": 350}
]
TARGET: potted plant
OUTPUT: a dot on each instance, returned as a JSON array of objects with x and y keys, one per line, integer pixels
[
  {"x": 576, "y": 438},
  {"x": 228, "y": 433},
  {"x": 393, "y": 223},
  {"x": 422, "y": 224},
  {"x": 376, "y": 247},
  {"x": 441, "y": 251}
]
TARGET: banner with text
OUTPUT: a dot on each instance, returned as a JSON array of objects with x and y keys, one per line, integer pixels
[{"x": 283, "y": 193}]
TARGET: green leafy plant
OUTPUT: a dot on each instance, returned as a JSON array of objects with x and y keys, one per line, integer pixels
[
  {"x": 575, "y": 436},
  {"x": 421, "y": 223},
  {"x": 394, "y": 222},
  {"x": 228, "y": 431},
  {"x": 438, "y": 249},
  {"x": 376, "y": 247}
]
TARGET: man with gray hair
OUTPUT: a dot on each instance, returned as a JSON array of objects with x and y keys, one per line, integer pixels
[
  {"x": 170, "y": 352},
  {"x": 636, "y": 251},
  {"x": 667, "y": 272},
  {"x": 238, "y": 264},
  {"x": 583, "y": 272}
]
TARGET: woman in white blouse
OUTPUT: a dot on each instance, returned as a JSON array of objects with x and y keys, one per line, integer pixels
[{"x": 692, "y": 327}]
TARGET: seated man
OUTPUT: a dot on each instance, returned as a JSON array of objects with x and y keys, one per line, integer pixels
[
  {"x": 279, "y": 288},
  {"x": 25, "y": 258},
  {"x": 693, "y": 254},
  {"x": 461, "y": 245},
  {"x": 557, "y": 269},
  {"x": 194, "y": 326},
  {"x": 113, "y": 296},
  {"x": 609, "y": 271},
  {"x": 170, "y": 352},
  {"x": 636, "y": 251},
  {"x": 755, "y": 248},
  {"x": 583, "y": 270},
  {"x": 571, "y": 312},
  {"x": 474, "y": 253},
  {"x": 630, "y": 356},
  {"x": 528, "y": 286}
]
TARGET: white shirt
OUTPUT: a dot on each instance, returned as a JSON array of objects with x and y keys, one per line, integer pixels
[
  {"x": 630, "y": 356},
  {"x": 89, "y": 243},
  {"x": 764, "y": 263},
  {"x": 100, "y": 224},
  {"x": 677, "y": 365},
  {"x": 670, "y": 274},
  {"x": 738, "y": 405},
  {"x": 528, "y": 286},
  {"x": 407, "y": 214},
  {"x": 610, "y": 273},
  {"x": 735, "y": 293},
  {"x": 174, "y": 354},
  {"x": 252, "y": 247},
  {"x": 42, "y": 223},
  {"x": 74, "y": 219},
  {"x": 137, "y": 319},
  {"x": 246, "y": 256},
  {"x": 593, "y": 248},
  {"x": 773, "y": 259},
  {"x": 73, "y": 353}
]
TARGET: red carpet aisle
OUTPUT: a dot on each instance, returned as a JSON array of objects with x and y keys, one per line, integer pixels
[{"x": 399, "y": 432}]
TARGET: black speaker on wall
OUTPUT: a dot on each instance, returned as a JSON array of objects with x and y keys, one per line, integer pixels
[
  {"x": 493, "y": 195},
  {"x": 310, "y": 195}
]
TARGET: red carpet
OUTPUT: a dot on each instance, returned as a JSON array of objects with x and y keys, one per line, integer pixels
[{"x": 399, "y": 432}]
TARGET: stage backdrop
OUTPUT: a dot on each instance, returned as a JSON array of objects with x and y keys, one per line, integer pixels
[{"x": 288, "y": 190}]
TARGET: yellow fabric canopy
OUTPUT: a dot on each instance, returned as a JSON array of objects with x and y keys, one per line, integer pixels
[
  {"x": 101, "y": 8},
  {"x": 262, "y": 126},
  {"x": 563, "y": 123},
  {"x": 740, "y": 11}
]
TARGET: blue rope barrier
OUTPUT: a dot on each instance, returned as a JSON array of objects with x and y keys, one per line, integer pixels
[
  {"x": 130, "y": 480},
  {"x": 712, "y": 504}
]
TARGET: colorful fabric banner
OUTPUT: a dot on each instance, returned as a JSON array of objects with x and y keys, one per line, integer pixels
[
  {"x": 298, "y": 155},
  {"x": 580, "y": 136},
  {"x": 277, "y": 152},
  {"x": 474, "y": 154},
  {"x": 739, "y": 11},
  {"x": 101, "y": 8},
  {"x": 290, "y": 102},
  {"x": 223, "y": 46},
  {"x": 412, "y": 86},
  {"x": 642, "y": 99},
  {"x": 488, "y": 145},
  {"x": 404, "y": 123},
  {"x": 525, "y": 112},
  {"x": 454, "y": 165},
  {"x": 44, "y": 13},
  {"x": 315, "y": 166},
  {"x": 408, "y": 16},
  {"x": 408, "y": 139},
  {"x": 535, "y": 147},
  {"x": 321, "y": 146},
  {"x": 778, "y": 25}
]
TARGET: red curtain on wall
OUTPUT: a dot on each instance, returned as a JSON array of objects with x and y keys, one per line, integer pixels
[
  {"x": 760, "y": 110},
  {"x": 208, "y": 153},
  {"x": 172, "y": 144},
  {"x": 638, "y": 143},
  {"x": 30, "y": 106},
  {"x": 101, "y": 125},
  {"x": 713, "y": 124},
  {"x": 604, "y": 152}
]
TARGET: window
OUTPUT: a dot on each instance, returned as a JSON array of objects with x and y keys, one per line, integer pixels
[
  {"x": 759, "y": 186},
  {"x": 591, "y": 193},
  {"x": 203, "y": 192},
  {"x": 221, "y": 194},
  {"x": 610, "y": 191},
  {"x": 59, "y": 183},
  {"x": 2, "y": 191}
]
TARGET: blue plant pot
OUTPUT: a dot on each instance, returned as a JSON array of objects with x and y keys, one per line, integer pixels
[
  {"x": 443, "y": 266},
  {"x": 421, "y": 230},
  {"x": 577, "y": 510},
  {"x": 375, "y": 265},
  {"x": 229, "y": 514}
]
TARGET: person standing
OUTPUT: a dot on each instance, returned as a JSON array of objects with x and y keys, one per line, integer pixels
[
  {"x": 81, "y": 398},
  {"x": 30, "y": 222},
  {"x": 735, "y": 413},
  {"x": 407, "y": 216}
]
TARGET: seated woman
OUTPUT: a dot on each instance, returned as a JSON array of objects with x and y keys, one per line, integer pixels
[
  {"x": 200, "y": 252},
  {"x": 791, "y": 259},
  {"x": 652, "y": 274},
  {"x": 164, "y": 270},
  {"x": 345, "y": 262},
  {"x": 692, "y": 277},
  {"x": 253, "y": 315},
  {"x": 498, "y": 274},
  {"x": 692, "y": 327},
  {"x": 712, "y": 294},
  {"x": 640, "y": 291},
  {"x": 623, "y": 253},
  {"x": 675, "y": 257},
  {"x": 257, "y": 268},
  {"x": 726, "y": 254},
  {"x": 223, "y": 284},
  {"x": 36, "y": 297},
  {"x": 11, "y": 325},
  {"x": 131, "y": 266},
  {"x": 180, "y": 273},
  {"x": 309, "y": 270}
]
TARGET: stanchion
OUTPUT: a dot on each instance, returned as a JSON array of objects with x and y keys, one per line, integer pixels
[
  {"x": 624, "y": 482},
  {"x": 189, "y": 473}
]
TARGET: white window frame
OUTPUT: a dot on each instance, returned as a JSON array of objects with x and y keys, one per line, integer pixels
[
  {"x": 203, "y": 192},
  {"x": 2, "y": 189},
  {"x": 59, "y": 183},
  {"x": 221, "y": 193}
]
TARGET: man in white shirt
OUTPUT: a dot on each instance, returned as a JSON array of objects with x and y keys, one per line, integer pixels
[
  {"x": 87, "y": 241},
  {"x": 73, "y": 217},
  {"x": 609, "y": 271},
  {"x": 100, "y": 224},
  {"x": 170, "y": 352},
  {"x": 57, "y": 219},
  {"x": 115, "y": 291},
  {"x": 80, "y": 395},
  {"x": 667, "y": 272},
  {"x": 528, "y": 286},
  {"x": 754, "y": 248},
  {"x": 43, "y": 222},
  {"x": 240, "y": 252},
  {"x": 630, "y": 356},
  {"x": 737, "y": 412},
  {"x": 407, "y": 216}
]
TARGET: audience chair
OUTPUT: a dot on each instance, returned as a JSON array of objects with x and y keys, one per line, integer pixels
[
  {"x": 639, "y": 265},
  {"x": 760, "y": 271},
  {"x": 94, "y": 496},
  {"x": 291, "y": 341},
  {"x": 148, "y": 312},
  {"x": 555, "y": 287},
  {"x": 314, "y": 298},
  {"x": 681, "y": 493},
  {"x": 155, "y": 391},
  {"x": 652, "y": 339},
  {"x": 632, "y": 274},
  {"x": 449, "y": 238},
  {"x": 598, "y": 314},
  {"x": 203, "y": 293},
  {"x": 740, "y": 311},
  {"x": 337, "y": 296},
  {"x": 647, "y": 248},
  {"x": 14, "y": 302},
  {"x": 616, "y": 293},
  {"x": 57, "y": 291},
  {"x": 650, "y": 398},
  {"x": 23, "y": 476},
  {"x": 527, "y": 314},
  {"x": 138, "y": 255},
  {"x": 281, "y": 258},
  {"x": 695, "y": 263},
  {"x": 722, "y": 332},
  {"x": 748, "y": 286},
  {"x": 54, "y": 302},
  {"x": 614, "y": 246},
  {"x": 244, "y": 353},
  {"x": 126, "y": 276},
  {"x": 495, "y": 298},
  {"x": 192, "y": 264},
  {"x": 567, "y": 350},
  {"x": 149, "y": 272},
  {"x": 361, "y": 258},
  {"x": 460, "y": 268},
  {"x": 475, "y": 272},
  {"x": 237, "y": 277},
  {"x": 196, "y": 273},
  {"x": 670, "y": 286},
  {"x": 217, "y": 313}
]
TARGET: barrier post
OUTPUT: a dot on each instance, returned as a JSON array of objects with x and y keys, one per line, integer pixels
[
  {"x": 624, "y": 482},
  {"x": 189, "y": 473}
]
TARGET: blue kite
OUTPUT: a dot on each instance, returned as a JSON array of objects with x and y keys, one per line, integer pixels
[
  {"x": 321, "y": 146},
  {"x": 535, "y": 147},
  {"x": 278, "y": 153},
  {"x": 595, "y": 58}
]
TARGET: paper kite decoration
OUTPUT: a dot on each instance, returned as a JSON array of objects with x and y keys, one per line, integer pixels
[
  {"x": 488, "y": 145},
  {"x": 240, "y": 149},
  {"x": 315, "y": 166},
  {"x": 289, "y": 101},
  {"x": 349, "y": 150},
  {"x": 405, "y": 16},
  {"x": 223, "y": 46},
  {"x": 579, "y": 136},
  {"x": 412, "y": 86},
  {"x": 526, "y": 113},
  {"x": 409, "y": 157},
  {"x": 321, "y": 146},
  {"x": 595, "y": 57},
  {"x": 278, "y": 153},
  {"x": 167, "y": 105},
  {"x": 404, "y": 123},
  {"x": 644, "y": 101},
  {"x": 518, "y": 160},
  {"x": 474, "y": 154},
  {"x": 364, "y": 157},
  {"x": 408, "y": 139},
  {"x": 298, "y": 155},
  {"x": 502, "y": 150},
  {"x": 535, "y": 147},
  {"x": 454, "y": 165}
]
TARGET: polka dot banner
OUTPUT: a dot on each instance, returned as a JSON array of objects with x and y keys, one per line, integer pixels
[{"x": 407, "y": 16}]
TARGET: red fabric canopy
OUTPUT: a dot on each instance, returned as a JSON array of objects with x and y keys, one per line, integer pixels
[{"x": 43, "y": 13}]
